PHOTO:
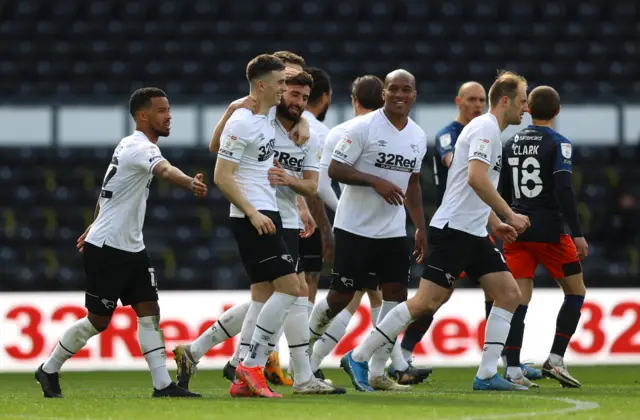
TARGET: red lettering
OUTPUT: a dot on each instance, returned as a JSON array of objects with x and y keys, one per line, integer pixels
[
  {"x": 351, "y": 339},
  {"x": 447, "y": 330},
  {"x": 127, "y": 333},
  {"x": 76, "y": 312},
  {"x": 480, "y": 333},
  {"x": 594, "y": 326},
  {"x": 31, "y": 330},
  {"x": 625, "y": 343},
  {"x": 175, "y": 332}
]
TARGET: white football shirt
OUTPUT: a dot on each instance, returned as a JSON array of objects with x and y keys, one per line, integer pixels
[
  {"x": 123, "y": 198},
  {"x": 294, "y": 160},
  {"x": 461, "y": 207},
  {"x": 319, "y": 127},
  {"x": 374, "y": 146},
  {"x": 333, "y": 137},
  {"x": 249, "y": 140}
]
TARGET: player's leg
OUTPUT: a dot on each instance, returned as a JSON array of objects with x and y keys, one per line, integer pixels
[
  {"x": 488, "y": 265},
  {"x": 104, "y": 284},
  {"x": 311, "y": 256},
  {"x": 441, "y": 267},
  {"x": 375, "y": 303},
  {"x": 337, "y": 329},
  {"x": 350, "y": 273},
  {"x": 141, "y": 292},
  {"x": 564, "y": 265},
  {"x": 296, "y": 328},
  {"x": 522, "y": 262},
  {"x": 187, "y": 356}
]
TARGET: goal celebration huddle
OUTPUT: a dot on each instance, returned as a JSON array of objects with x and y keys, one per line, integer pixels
[{"x": 502, "y": 212}]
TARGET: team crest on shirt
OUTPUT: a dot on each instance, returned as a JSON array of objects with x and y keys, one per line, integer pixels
[
  {"x": 415, "y": 148},
  {"x": 445, "y": 140},
  {"x": 565, "y": 148}
]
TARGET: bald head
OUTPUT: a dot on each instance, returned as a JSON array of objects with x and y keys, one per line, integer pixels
[
  {"x": 544, "y": 103},
  {"x": 400, "y": 75},
  {"x": 473, "y": 88}
]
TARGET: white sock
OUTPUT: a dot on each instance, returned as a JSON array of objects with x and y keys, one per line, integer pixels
[
  {"x": 556, "y": 359},
  {"x": 397, "y": 358},
  {"x": 281, "y": 331},
  {"x": 248, "y": 326},
  {"x": 151, "y": 341},
  {"x": 380, "y": 357},
  {"x": 406, "y": 354},
  {"x": 269, "y": 321},
  {"x": 309, "y": 308},
  {"x": 498, "y": 325},
  {"x": 320, "y": 319},
  {"x": 330, "y": 339},
  {"x": 375, "y": 312},
  {"x": 71, "y": 341},
  {"x": 296, "y": 328},
  {"x": 393, "y": 324},
  {"x": 514, "y": 371},
  {"x": 228, "y": 325}
]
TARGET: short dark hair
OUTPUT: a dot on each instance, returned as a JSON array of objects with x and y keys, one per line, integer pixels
[
  {"x": 141, "y": 99},
  {"x": 544, "y": 103},
  {"x": 506, "y": 84},
  {"x": 263, "y": 65},
  {"x": 300, "y": 79},
  {"x": 321, "y": 83},
  {"x": 367, "y": 90},
  {"x": 289, "y": 57}
]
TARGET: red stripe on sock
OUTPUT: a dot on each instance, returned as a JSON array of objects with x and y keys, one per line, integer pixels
[
  {"x": 563, "y": 335},
  {"x": 512, "y": 347}
]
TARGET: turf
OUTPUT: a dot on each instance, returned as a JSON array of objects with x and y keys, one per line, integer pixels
[{"x": 614, "y": 392}]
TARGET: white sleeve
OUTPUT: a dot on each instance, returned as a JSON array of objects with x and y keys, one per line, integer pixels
[
  {"x": 327, "y": 149},
  {"x": 480, "y": 145},
  {"x": 233, "y": 141},
  {"x": 325, "y": 191},
  {"x": 146, "y": 157},
  {"x": 312, "y": 158},
  {"x": 350, "y": 146}
]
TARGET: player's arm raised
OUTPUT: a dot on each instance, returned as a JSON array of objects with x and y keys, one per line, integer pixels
[
  {"x": 178, "y": 178},
  {"x": 346, "y": 153},
  {"x": 247, "y": 102},
  {"x": 478, "y": 179}
]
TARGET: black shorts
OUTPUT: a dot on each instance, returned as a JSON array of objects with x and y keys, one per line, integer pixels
[
  {"x": 363, "y": 263},
  {"x": 265, "y": 257},
  {"x": 311, "y": 252},
  {"x": 451, "y": 252},
  {"x": 292, "y": 239},
  {"x": 114, "y": 274}
]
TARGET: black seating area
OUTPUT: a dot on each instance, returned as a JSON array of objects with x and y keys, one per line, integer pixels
[
  {"x": 103, "y": 49},
  {"x": 48, "y": 197}
]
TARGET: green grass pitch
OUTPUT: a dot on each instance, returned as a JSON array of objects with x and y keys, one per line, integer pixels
[{"x": 611, "y": 392}]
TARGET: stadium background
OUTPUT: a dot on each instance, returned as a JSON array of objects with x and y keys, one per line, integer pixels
[{"x": 68, "y": 68}]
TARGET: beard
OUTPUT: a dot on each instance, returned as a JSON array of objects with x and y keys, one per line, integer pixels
[
  {"x": 283, "y": 109},
  {"x": 323, "y": 114},
  {"x": 160, "y": 132}
]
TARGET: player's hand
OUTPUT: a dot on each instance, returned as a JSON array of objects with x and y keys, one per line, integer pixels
[
  {"x": 327, "y": 246},
  {"x": 506, "y": 233},
  {"x": 520, "y": 222},
  {"x": 301, "y": 132},
  {"x": 198, "y": 187},
  {"x": 80, "y": 243},
  {"x": 278, "y": 176},
  {"x": 248, "y": 102},
  {"x": 583, "y": 247},
  {"x": 419, "y": 250},
  {"x": 391, "y": 193},
  {"x": 309, "y": 224},
  {"x": 290, "y": 72},
  {"x": 263, "y": 224}
]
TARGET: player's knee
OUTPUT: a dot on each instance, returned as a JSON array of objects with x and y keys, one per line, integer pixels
[
  {"x": 394, "y": 292},
  {"x": 304, "y": 289},
  {"x": 375, "y": 298},
  {"x": 144, "y": 309},
  {"x": 99, "y": 322},
  {"x": 512, "y": 294},
  {"x": 288, "y": 285}
]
